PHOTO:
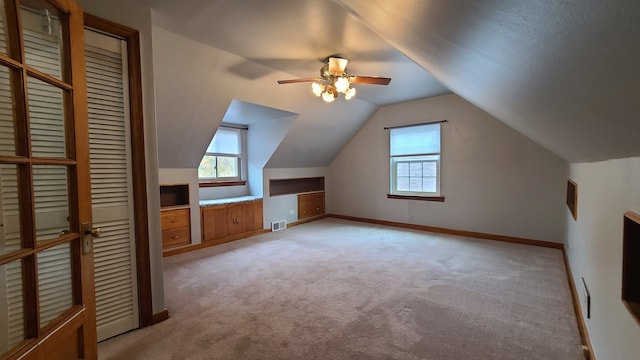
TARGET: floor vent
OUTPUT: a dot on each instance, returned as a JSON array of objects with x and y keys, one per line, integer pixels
[{"x": 278, "y": 225}]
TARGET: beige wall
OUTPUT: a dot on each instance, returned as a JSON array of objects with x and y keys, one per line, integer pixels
[
  {"x": 606, "y": 190},
  {"x": 494, "y": 179}
]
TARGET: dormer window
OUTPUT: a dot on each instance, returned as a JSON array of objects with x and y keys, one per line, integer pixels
[{"x": 222, "y": 161}]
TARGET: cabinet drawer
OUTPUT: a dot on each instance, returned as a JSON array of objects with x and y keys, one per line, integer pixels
[
  {"x": 176, "y": 237},
  {"x": 173, "y": 219},
  {"x": 310, "y": 205}
]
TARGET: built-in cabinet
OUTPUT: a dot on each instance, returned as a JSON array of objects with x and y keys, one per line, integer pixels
[
  {"x": 309, "y": 190},
  {"x": 176, "y": 227},
  {"x": 175, "y": 215},
  {"x": 224, "y": 222},
  {"x": 310, "y": 205}
]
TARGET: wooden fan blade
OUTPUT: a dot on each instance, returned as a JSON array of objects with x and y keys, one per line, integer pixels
[
  {"x": 371, "y": 80},
  {"x": 293, "y": 81},
  {"x": 337, "y": 65}
]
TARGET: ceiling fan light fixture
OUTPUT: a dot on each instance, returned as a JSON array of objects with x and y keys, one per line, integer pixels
[
  {"x": 350, "y": 94},
  {"x": 317, "y": 88},
  {"x": 334, "y": 80},
  {"x": 328, "y": 97},
  {"x": 342, "y": 84}
]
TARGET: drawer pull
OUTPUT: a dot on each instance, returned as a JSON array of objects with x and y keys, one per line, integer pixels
[
  {"x": 175, "y": 237},
  {"x": 174, "y": 220}
]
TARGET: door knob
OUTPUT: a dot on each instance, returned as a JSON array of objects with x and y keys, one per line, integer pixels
[
  {"x": 89, "y": 234},
  {"x": 95, "y": 232}
]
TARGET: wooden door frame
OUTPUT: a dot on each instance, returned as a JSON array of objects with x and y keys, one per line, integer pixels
[{"x": 138, "y": 169}]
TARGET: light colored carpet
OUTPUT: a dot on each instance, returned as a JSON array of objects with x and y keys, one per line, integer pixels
[{"x": 335, "y": 289}]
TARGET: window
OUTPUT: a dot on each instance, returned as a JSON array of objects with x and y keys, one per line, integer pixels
[
  {"x": 223, "y": 159},
  {"x": 415, "y": 160}
]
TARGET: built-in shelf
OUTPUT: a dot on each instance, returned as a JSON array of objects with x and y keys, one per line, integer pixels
[
  {"x": 295, "y": 185},
  {"x": 174, "y": 195},
  {"x": 630, "y": 263},
  {"x": 572, "y": 198}
]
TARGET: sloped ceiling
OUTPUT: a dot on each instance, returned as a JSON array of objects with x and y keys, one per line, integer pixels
[
  {"x": 564, "y": 73},
  {"x": 240, "y": 112},
  {"x": 209, "y": 53}
]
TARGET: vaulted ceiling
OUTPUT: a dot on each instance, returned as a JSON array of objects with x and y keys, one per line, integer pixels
[{"x": 564, "y": 73}]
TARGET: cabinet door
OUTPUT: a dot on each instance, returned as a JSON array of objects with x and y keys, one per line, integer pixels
[
  {"x": 310, "y": 205},
  {"x": 214, "y": 223},
  {"x": 257, "y": 216},
  {"x": 252, "y": 216},
  {"x": 235, "y": 220}
]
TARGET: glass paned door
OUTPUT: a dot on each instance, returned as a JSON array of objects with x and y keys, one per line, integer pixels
[{"x": 47, "y": 306}]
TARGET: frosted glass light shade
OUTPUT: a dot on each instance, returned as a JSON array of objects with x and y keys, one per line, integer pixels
[
  {"x": 317, "y": 88},
  {"x": 328, "y": 97},
  {"x": 342, "y": 84},
  {"x": 350, "y": 94}
]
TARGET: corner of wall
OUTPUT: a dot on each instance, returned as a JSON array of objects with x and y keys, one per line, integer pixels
[{"x": 606, "y": 190}]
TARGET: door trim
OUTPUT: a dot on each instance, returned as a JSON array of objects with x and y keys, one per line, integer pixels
[{"x": 139, "y": 177}]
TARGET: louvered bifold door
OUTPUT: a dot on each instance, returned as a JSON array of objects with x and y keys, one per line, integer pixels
[{"x": 111, "y": 184}]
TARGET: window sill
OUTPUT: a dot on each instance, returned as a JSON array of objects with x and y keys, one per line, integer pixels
[
  {"x": 421, "y": 198},
  {"x": 222, "y": 183}
]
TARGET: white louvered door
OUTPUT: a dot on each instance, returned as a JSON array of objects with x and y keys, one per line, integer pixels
[{"x": 111, "y": 184}]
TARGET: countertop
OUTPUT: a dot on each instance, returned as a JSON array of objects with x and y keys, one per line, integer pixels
[{"x": 205, "y": 203}]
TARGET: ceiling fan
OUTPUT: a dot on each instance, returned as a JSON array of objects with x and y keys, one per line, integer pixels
[{"x": 334, "y": 80}]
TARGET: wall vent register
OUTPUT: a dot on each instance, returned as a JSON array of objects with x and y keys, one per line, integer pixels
[{"x": 278, "y": 225}]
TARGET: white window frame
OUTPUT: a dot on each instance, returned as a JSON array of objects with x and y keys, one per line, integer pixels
[
  {"x": 431, "y": 157},
  {"x": 216, "y": 155}
]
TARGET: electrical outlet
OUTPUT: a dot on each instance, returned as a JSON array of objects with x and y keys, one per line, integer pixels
[{"x": 291, "y": 212}]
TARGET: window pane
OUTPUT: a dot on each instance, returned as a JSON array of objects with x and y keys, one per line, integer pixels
[
  {"x": 429, "y": 168},
  {"x": 225, "y": 142},
  {"x": 429, "y": 184},
  {"x": 403, "y": 184},
  {"x": 51, "y": 201},
  {"x": 54, "y": 282},
  {"x": 46, "y": 113},
  {"x": 403, "y": 169},
  {"x": 415, "y": 174},
  {"x": 9, "y": 209},
  {"x": 415, "y": 169},
  {"x": 42, "y": 37},
  {"x": 227, "y": 166},
  {"x": 7, "y": 131},
  {"x": 4, "y": 36},
  {"x": 207, "y": 168},
  {"x": 419, "y": 139},
  {"x": 415, "y": 184},
  {"x": 11, "y": 305}
]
